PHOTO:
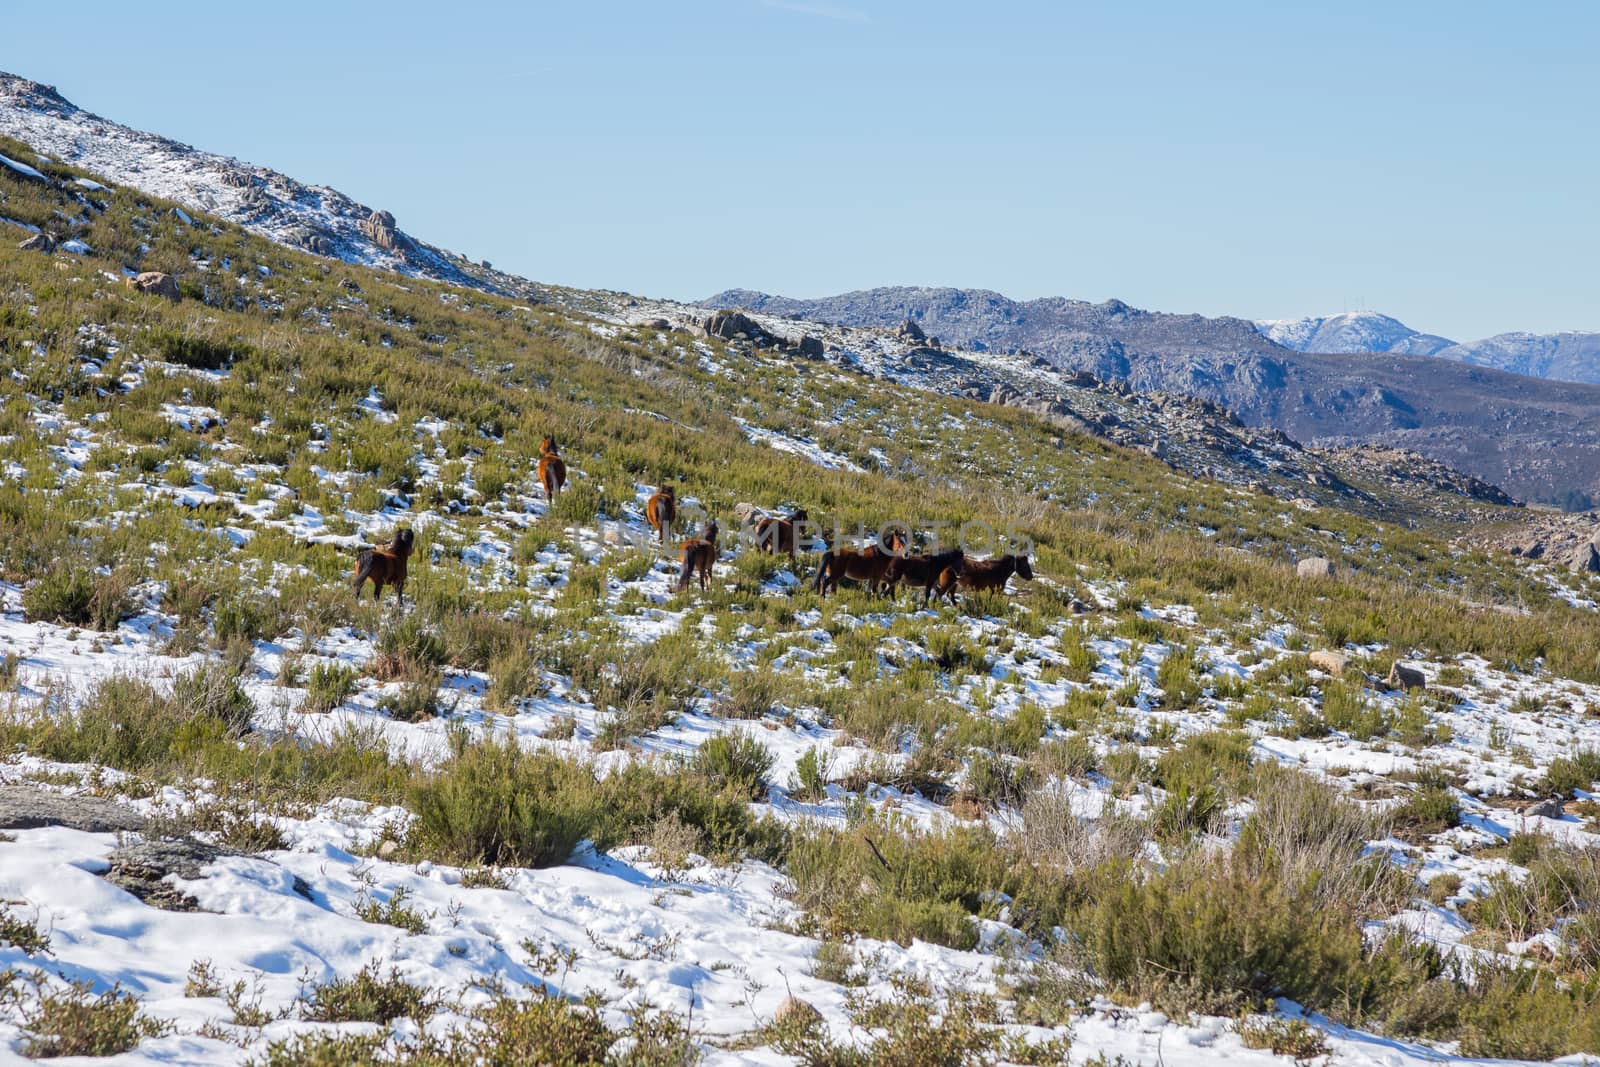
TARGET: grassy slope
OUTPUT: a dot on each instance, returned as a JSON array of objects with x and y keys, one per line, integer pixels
[{"x": 363, "y": 399}]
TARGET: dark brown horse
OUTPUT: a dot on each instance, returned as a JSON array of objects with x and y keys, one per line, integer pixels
[
  {"x": 661, "y": 511},
  {"x": 869, "y": 565},
  {"x": 925, "y": 570},
  {"x": 552, "y": 469},
  {"x": 385, "y": 566},
  {"x": 698, "y": 554},
  {"x": 778, "y": 535},
  {"x": 980, "y": 575}
]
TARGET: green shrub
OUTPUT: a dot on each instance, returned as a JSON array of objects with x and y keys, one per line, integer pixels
[
  {"x": 328, "y": 686},
  {"x": 74, "y": 595},
  {"x": 1581, "y": 770},
  {"x": 367, "y": 996},
  {"x": 75, "y": 1021},
  {"x": 494, "y": 803},
  {"x": 735, "y": 760},
  {"x": 211, "y": 691}
]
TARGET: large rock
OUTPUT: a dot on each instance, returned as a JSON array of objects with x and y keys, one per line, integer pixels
[
  {"x": 157, "y": 283},
  {"x": 39, "y": 242},
  {"x": 1549, "y": 808},
  {"x": 381, "y": 231},
  {"x": 812, "y": 347},
  {"x": 142, "y": 869},
  {"x": 1407, "y": 678},
  {"x": 1585, "y": 559},
  {"x": 728, "y": 324},
  {"x": 26, "y": 807},
  {"x": 1315, "y": 567},
  {"x": 1329, "y": 661},
  {"x": 911, "y": 331}
]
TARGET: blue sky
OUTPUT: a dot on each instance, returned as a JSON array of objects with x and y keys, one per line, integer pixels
[{"x": 1434, "y": 161}]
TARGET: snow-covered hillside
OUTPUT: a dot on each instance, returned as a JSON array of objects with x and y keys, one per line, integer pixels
[
  {"x": 314, "y": 218},
  {"x": 1352, "y": 331}
]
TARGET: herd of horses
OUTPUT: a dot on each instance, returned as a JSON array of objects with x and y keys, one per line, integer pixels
[{"x": 880, "y": 566}]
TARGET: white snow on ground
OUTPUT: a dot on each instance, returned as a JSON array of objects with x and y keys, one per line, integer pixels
[{"x": 806, "y": 450}]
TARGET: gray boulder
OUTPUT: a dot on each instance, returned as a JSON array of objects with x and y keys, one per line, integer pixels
[
  {"x": 157, "y": 283},
  {"x": 39, "y": 242},
  {"x": 1407, "y": 678},
  {"x": 26, "y": 807},
  {"x": 1315, "y": 567},
  {"x": 142, "y": 869}
]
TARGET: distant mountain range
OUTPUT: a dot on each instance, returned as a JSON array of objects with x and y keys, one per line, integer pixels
[
  {"x": 1572, "y": 356},
  {"x": 1538, "y": 439}
]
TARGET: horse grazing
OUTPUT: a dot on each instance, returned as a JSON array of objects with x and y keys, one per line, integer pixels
[
  {"x": 926, "y": 570},
  {"x": 869, "y": 565},
  {"x": 661, "y": 511},
  {"x": 778, "y": 535},
  {"x": 552, "y": 469},
  {"x": 980, "y": 575},
  {"x": 698, "y": 554},
  {"x": 385, "y": 566}
]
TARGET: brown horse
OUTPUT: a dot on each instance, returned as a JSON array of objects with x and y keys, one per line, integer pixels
[
  {"x": 926, "y": 570},
  {"x": 661, "y": 511},
  {"x": 778, "y": 535},
  {"x": 552, "y": 469},
  {"x": 869, "y": 565},
  {"x": 385, "y": 566},
  {"x": 980, "y": 575},
  {"x": 698, "y": 555}
]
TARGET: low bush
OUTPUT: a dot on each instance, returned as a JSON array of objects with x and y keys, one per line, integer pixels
[
  {"x": 74, "y": 595},
  {"x": 368, "y": 996},
  {"x": 735, "y": 760},
  {"x": 328, "y": 685},
  {"x": 73, "y": 1020}
]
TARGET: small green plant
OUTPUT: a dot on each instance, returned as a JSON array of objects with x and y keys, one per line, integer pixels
[
  {"x": 394, "y": 911},
  {"x": 328, "y": 685},
  {"x": 736, "y": 760},
  {"x": 73, "y": 1020},
  {"x": 23, "y": 933},
  {"x": 368, "y": 996},
  {"x": 811, "y": 770}
]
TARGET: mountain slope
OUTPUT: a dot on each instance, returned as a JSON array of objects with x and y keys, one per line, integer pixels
[
  {"x": 314, "y": 218},
  {"x": 1353, "y": 331},
  {"x": 1539, "y": 440},
  {"x": 1572, "y": 356}
]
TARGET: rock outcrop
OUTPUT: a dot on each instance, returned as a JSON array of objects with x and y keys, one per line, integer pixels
[
  {"x": 26, "y": 807},
  {"x": 157, "y": 283}
]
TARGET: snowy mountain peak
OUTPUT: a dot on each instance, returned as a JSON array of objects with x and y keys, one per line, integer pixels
[
  {"x": 314, "y": 218},
  {"x": 1350, "y": 332}
]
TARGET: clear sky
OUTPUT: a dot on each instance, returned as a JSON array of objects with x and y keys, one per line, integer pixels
[{"x": 1436, "y": 161}]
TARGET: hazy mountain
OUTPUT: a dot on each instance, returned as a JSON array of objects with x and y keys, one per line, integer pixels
[
  {"x": 1573, "y": 357},
  {"x": 1538, "y": 439},
  {"x": 1353, "y": 331}
]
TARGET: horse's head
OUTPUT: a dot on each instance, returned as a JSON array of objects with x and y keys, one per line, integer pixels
[
  {"x": 547, "y": 447},
  {"x": 1024, "y": 568},
  {"x": 894, "y": 541},
  {"x": 668, "y": 492},
  {"x": 710, "y": 532},
  {"x": 799, "y": 515},
  {"x": 403, "y": 539}
]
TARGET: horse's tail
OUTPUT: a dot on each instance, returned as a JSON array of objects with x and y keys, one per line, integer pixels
[
  {"x": 685, "y": 569},
  {"x": 364, "y": 563},
  {"x": 822, "y": 569}
]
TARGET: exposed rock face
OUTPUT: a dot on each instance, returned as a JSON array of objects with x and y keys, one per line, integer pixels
[
  {"x": 1407, "y": 678},
  {"x": 811, "y": 347},
  {"x": 142, "y": 869},
  {"x": 26, "y": 807},
  {"x": 729, "y": 325},
  {"x": 911, "y": 331},
  {"x": 1549, "y": 808},
  {"x": 1316, "y": 567},
  {"x": 157, "y": 283},
  {"x": 1537, "y": 439},
  {"x": 39, "y": 242},
  {"x": 380, "y": 228}
]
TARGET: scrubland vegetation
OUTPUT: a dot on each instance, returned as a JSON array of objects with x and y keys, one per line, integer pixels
[{"x": 1122, "y": 784}]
